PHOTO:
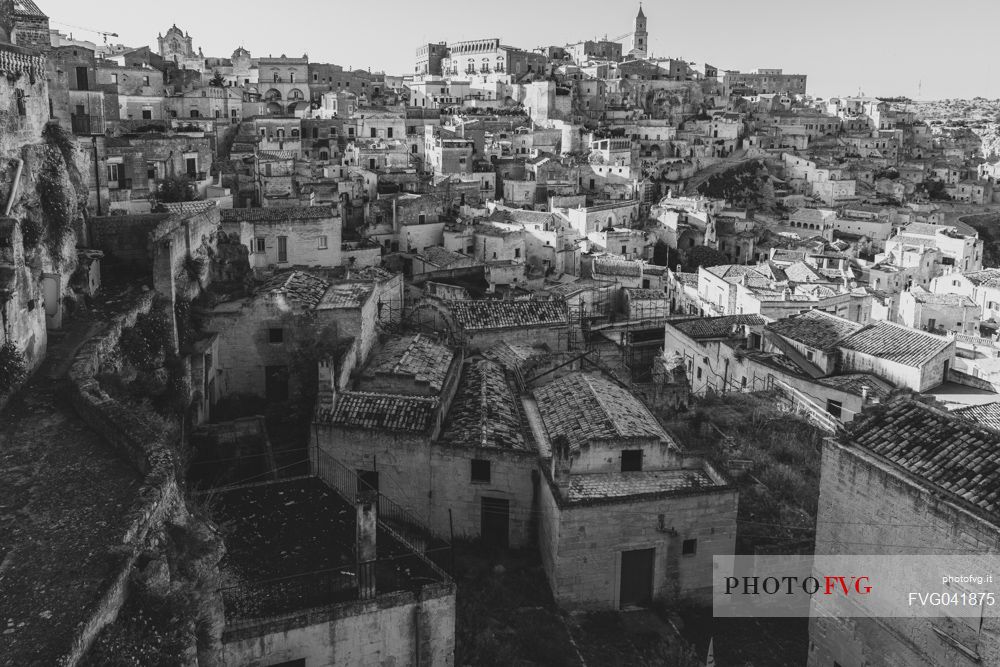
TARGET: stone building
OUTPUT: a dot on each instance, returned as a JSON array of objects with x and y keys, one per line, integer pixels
[
  {"x": 626, "y": 517},
  {"x": 176, "y": 47},
  {"x": 929, "y": 311},
  {"x": 485, "y": 323},
  {"x": 281, "y": 237},
  {"x": 913, "y": 480},
  {"x": 27, "y": 25},
  {"x": 284, "y": 84}
]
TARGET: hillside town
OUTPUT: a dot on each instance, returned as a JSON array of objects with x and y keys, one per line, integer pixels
[{"x": 484, "y": 362}]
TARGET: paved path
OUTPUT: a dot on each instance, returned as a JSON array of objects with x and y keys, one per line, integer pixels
[{"x": 64, "y": 495}]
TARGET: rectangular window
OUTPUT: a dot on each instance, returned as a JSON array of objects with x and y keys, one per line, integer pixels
[
  {"x": 258, "y": 244},
  {"x": 147, "y": 114},
  {"x": 282, "y": 249},
  {"x": 114, "y": 173},
  {"x": 276, "y": 335},
  {"x": 480, "y": 470},
  {"x": 689, "y": 547},
  {"x": 631, "y": 460},
  {"x": 517, "y": 252},
  {"x": 834, "y": 408},
  {"x": 322, "y": 243}
]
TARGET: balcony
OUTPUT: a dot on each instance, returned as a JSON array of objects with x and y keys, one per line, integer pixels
[{"x": 87, "y": 124}]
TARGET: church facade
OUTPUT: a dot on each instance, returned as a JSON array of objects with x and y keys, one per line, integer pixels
[{"x": 176, "y": 47}]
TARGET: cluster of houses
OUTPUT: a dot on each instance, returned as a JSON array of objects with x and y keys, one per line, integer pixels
[{"x": 491, "y": 266}]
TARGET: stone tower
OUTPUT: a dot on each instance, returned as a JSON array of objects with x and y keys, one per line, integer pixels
[{"x": 640, "y": 42}]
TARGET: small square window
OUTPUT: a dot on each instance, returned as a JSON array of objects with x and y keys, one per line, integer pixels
[
  {"x": 631, "y": 460},
  {"x": 689, "y": 547},
  {"x": 835, "y": 408},
  {"x": 258, "y": 244},
  {"x": 480, "y": 470},
  {"x": 276, "y": 335}
]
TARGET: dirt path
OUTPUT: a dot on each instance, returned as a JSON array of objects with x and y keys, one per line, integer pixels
[{"x": 64, "y": 496}]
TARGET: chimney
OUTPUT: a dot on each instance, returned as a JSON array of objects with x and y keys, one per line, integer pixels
[
  {"x": 366, "y": 505},
  {"x": 326, "y": 394}
]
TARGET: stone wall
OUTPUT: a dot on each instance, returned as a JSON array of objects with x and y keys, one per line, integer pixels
[
  {"x": 888, "y": 507},
  {"x": 134, "y": 435},
  {"x": 583, "y": 544},
  {"x": 396, "y": 629},
  {"x": 23, "y": 98}
]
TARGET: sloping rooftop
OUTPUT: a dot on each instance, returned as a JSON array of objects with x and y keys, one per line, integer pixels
[
  {"x": 298, "y": 286},
  {"x": 735, "y": 273},
  {"x": 419, "y": 357},
  {"x": 277, "y": 213},
  {"x": 920, "y": 295},
  {"x": 640, "y": 294},
  {"x": 800, "y": 272},
  {"x": 361, "y": 409},
  {"x": 987, "y": 415},
  {"x": 189, "y": 207},
  {"x": 27, "y": 8},
  {"x": 443, "y": 258},
  {"x": 896, "y": 343},
  {"x": 984, "y": 278},
  {"x": 346, "y": 295},
  {"x": 474, "y": 315},
  {"x": 815, "y": 328},
  {"x": 716, "y": 327},
  {"x": 942, "y": 449},
  {"x": 858, "y": 383},
  {"x": 484, "y": 412},
  {"x": 513, "y": 356},
  {"x": 607, "y": 266},
  {"x": 582, "y": 407},
  {"x": 580, "y": 488}
]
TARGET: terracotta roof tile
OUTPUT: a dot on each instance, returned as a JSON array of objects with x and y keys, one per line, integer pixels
[
  {"x": 485, "y": 412},
  {"x": 625, "y": 484},
  {"x": 419, "y": 357},
  {"x": 391, "y": 412},
  {"x": 297, "y": 286},
  {"x": 815, "y": 328},
  {"x": 474, "y": 315},
  {"x": 987, "y": 415},
  {"x": 896, "y": 343},
  {"x": 277, "y": 213},
  {"x": 943, "y": 449},
  {"x": 715, "y": 327}
]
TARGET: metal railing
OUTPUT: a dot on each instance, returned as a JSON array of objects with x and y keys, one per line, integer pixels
[
  {"x": 349, "y": 582},
  {"x": 398, "y": 519}
]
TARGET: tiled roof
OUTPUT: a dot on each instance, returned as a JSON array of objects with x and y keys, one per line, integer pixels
[
  {"x": 733, "y": 273},
  {"x": 896, "y": 343},
  {"x": 512, "y": 356},
  {"x": 443, "y": 258},
  {"x": 687, "y": 279},
  {"x": 372, "y": 273},
  {"x": 484, "y": 412},
  {"x": 855, "y": 383},
  {"x": 277, "y": 155},
  {"x": 984, "y": 278},
  {"x": 639, "y": 294},
  {"x": 920, "y": 295},
  {"x": 277, "y": 213},
  {"x": 479, "y": 314},
  {"x": 382, "y": 411},
  {"x": 297, "y": 286},
  {"x": 190, "y": 207},
  {"x": 815, "y": 328},
  {"x": 27, "y": 8},
  {"x": 800, "y": 272},
  {"x": 625, "y": 484},
  {"x": 582, "y": 407},
  {"x": 940, "y": 448},
  {"x": 421, "y": 357},
  {"x": 919, "y": 241},
  {"x": 715, "y": 327},
  {"x": 606, "y": 266},
  {"x": 346, "y": 295},
  {"x": 987, "y": 415}
]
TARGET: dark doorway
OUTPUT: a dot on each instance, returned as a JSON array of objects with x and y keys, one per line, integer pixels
[
  {"x": 369, "y": 480},
  {"x": 81, "y": 79},
  {"x": 637, "y": 577},
  {"x": 495, "y": 522},
  {"x": 192, "y": 167},
  {"x": 276, "y": 383}
]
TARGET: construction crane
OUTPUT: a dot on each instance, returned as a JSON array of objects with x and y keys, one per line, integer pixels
[{"x": 103, "y": 34}]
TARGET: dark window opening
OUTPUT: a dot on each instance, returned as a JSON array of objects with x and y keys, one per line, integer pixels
[
  {"x": 689, "y": 547},
  {"x": 481, "y": 470},
  {"x": 632, "y": 460},
  {"x": 276, "y": 335}
]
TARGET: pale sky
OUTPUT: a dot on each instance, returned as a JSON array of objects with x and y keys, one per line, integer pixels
[{"x": 882, "y": 47}]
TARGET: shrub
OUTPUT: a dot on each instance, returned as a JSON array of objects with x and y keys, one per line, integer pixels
[
  {"x": 143, "y": 344},
  {"x": 13, "y": 369},
  {"x": 58, "y": 198}
]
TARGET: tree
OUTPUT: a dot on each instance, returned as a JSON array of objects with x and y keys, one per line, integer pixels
[
  {"x": 218, "y": 81},
  {"x": 175, "y": 189},
  {"x": 702, "y": 255},
  {"x": 661, "y": 253}
]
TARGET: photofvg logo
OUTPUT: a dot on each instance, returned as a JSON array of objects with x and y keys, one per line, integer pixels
[{"x": 855, "y": 586}]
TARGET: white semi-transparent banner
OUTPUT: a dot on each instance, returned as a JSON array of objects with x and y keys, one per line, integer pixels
[{"x": 856, "y": 586}]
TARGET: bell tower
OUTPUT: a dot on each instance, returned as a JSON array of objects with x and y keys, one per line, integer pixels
[{"x": 640, "y": 42}]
